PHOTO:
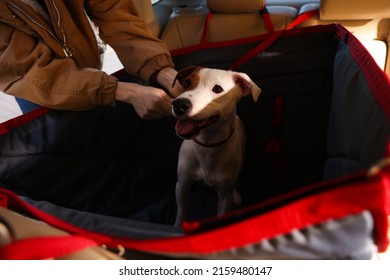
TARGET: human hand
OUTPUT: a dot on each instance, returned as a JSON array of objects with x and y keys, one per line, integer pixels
[
  {"x": 148, "y": 102},
  {"x": 166, "y": 77}
]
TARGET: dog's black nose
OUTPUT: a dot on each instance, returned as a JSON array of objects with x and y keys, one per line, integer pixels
[{"x": 181, "y": 106}]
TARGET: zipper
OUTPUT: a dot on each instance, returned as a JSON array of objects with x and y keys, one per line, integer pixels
[{"x": 64, "y": 47}]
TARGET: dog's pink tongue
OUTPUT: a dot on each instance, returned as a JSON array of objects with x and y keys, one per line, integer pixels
[{"x": 185, "y": 126}]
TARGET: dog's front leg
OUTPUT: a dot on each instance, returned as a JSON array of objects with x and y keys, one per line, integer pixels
[
  {"x": 226, "y": 199},
  {"x": 182, "y": 196}
]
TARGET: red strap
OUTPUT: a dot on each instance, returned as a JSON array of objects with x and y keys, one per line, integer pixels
[
  {"x": 42, "y": 248},
  {"x": 3, "y": 201},
  {"x": 5, "y": 127},
  {"x": 260, "y": 48},
  {"x": 203, "y": 39},
  {"x": 268, "y": 42},
  {"x": 302, "y": 18},
  {"x": 267, "y": 20}
]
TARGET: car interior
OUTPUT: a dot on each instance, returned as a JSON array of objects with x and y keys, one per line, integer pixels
[{"x": 180, "y": 23}]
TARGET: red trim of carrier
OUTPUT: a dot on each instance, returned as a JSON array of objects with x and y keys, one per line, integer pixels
[
  {"x": 377, "y": 80},
  {"x": 6, "y": 126},
  {"x": 46, "y": 247},
  {"x": 355, "y": 194}
]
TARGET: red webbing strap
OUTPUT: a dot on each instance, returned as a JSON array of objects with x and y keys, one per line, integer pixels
[
  {"x": 203, "y": 38},
  {"x": 43, "y": 248},
  {"x": 267, "y": 20},
  {"x": 6, "y": 126},
  {"x": 255, "y": 51},
  {"x": 302, "y": 18},
  {"x": 268, "y": 42}
]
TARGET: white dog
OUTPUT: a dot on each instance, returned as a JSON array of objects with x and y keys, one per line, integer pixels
[{"x": 214, "y": 145}]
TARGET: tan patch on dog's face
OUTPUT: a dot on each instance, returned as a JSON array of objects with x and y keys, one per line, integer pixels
[
  {"x": 188, "y": 77},
  {"x": 190, "y": 82}
]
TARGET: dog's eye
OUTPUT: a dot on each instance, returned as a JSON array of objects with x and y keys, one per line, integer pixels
[
  {"x": 217, "y": 89},
  {"x": 186, "y": 83}
]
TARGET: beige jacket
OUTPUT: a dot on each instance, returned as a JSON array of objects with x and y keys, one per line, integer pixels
[{"x": 54, "y": 59}]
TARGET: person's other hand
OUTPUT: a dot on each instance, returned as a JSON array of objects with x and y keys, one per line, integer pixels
[
  {"x": 148, "y": 102},
  {"x": 166, "y": 78}
]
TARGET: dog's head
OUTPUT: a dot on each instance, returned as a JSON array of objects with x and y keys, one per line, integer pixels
[{"x": 209, "y": 95}]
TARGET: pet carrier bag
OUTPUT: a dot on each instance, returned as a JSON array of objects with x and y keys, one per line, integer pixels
[{"x": 315, "y": 184}]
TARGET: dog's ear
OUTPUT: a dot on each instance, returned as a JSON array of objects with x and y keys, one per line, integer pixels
[
  {"x": 183, "y": 74},
  {"x": 248, "y": 87}
]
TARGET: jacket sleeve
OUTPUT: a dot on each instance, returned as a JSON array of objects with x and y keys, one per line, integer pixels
[
  {"x": 141, "y": 53},
  {"x": 28, "y": 69}
]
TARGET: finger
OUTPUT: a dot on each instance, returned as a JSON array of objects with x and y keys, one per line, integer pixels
[
  {"x": 176, "y": 90},
  {"x": 167, "y": 108},
  {"x": 166, "y": 105},
  {"x": 168, "y": 98},
  {"x": 163, "y": 109}
]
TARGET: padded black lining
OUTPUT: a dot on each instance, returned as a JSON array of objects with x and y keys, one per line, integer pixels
[{"x": 358, "y": 128}]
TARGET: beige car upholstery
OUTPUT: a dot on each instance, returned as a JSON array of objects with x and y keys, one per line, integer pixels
[
  {"x": 231, "y": 20},
  {"x": 354, "y": 9},
  {"x": 146, "y": 12},
  {"x": 25, "y": 228},
  {"x": 291, "y": 3},
  {"x": 369, "y": 21}
]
